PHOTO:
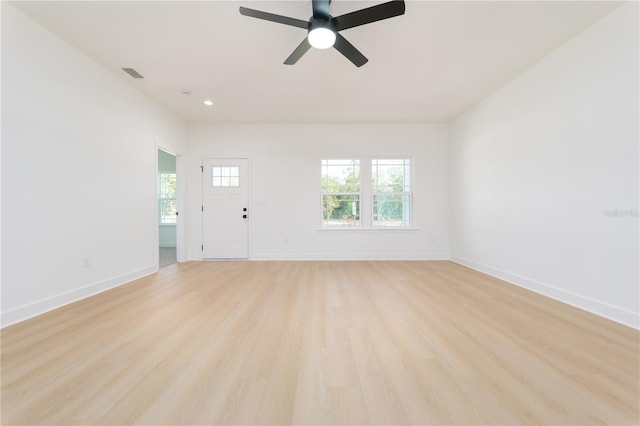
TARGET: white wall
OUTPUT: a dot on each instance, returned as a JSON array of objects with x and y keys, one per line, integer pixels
[
  {"x": 79, "y": 172},
  {"x": 285, "y": 188},
  {"x": 166, "y": 162},
  {"x": 540, "y": 168}
]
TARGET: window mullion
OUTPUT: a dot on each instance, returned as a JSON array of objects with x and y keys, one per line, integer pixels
[{"x": 366, "y": 200}]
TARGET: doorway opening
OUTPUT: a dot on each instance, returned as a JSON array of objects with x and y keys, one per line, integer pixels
[{"x": 167, "y": 208}]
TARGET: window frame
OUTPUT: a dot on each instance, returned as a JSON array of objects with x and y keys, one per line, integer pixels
[
  {"x": 358, "y": 194},
  {"x": 163, "y": 199},
  {"x": 366, "y": 195},
  {"x": 407, "y": 222}
]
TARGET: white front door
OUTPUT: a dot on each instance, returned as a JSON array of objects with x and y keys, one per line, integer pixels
[{"x": 225, "y": 205}]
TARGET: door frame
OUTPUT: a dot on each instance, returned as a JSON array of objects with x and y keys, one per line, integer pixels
[
  {"x": 180, "y": 191},
  {"x": 249, "y": 206}
]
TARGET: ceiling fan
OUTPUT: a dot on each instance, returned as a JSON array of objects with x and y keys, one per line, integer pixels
[{"x": 323, "y": 29}]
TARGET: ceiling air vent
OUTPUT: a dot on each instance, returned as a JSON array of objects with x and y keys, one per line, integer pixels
[{"x": 133, "y": 73}]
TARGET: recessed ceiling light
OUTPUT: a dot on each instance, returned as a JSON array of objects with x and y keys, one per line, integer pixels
[
  {"x": 186, "y": 92},
  {"x": 208, "y": 102}
]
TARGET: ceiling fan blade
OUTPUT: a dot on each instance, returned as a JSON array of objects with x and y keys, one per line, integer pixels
[
  {"x": 297, "y": 54},
  {"x": 320, "y": 8},
  {"x": 274, "y": 18},
  {"x": 368, "y": 15},
  {"x": 349, "y": 51}
]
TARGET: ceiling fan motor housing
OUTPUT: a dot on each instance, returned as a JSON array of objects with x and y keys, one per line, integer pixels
[{"x": 321, "y": 23}]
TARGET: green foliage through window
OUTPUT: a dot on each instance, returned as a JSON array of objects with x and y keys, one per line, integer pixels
[
  {"x": 341, "y": 192},
  {"x": 388, "y": 199},
  {"x": 391, "y": 192},
  {"x": 167, "y": 206}
]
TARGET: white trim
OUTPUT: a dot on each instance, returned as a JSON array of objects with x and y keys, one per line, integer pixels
[
  {"x": 194, "y": 257},
  {"x": 349, "y": 256},
  {"x": 376, "y": 229},
  {"x": 180, "y": 202},
  {"x": 39, "y": 307},
  {"x": 603, "y": 309},
  {"x": 366, "y": 201}
]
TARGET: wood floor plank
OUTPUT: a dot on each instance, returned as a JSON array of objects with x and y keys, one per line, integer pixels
[{"x": 319, "y": 343}]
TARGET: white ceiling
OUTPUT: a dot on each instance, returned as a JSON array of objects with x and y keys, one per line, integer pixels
[{"x": 428, "y": 65}]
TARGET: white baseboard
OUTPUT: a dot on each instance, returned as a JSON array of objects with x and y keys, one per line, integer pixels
[
  {"x": 606, "y": 310},
  {"x": 348, "y": 256},
  {"x": 336, "y": 256},
  {"x": 42, "y": 306},
  {"x": 194, "y": 257}
]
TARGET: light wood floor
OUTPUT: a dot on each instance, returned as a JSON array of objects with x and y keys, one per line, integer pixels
[{"x": 319, "y": 343}]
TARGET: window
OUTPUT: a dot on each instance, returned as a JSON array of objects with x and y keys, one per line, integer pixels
[
  {"x": 226, "y": 176},
  {"x": 391, "y": 192},
  {"x": 340, "y": 193},
  {"x": 385, "y": 188},
  {"x": 167, "y": 198}
]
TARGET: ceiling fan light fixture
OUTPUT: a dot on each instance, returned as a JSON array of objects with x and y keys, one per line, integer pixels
[
  {"x": 321, "y": 37},
  {"x": 322, "y": 28}
]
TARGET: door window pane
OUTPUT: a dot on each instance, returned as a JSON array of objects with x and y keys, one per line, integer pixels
[{"x": 225, "y": 176}]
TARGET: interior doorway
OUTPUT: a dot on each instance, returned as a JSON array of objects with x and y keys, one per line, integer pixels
[{"x": 167, "y": 208}]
